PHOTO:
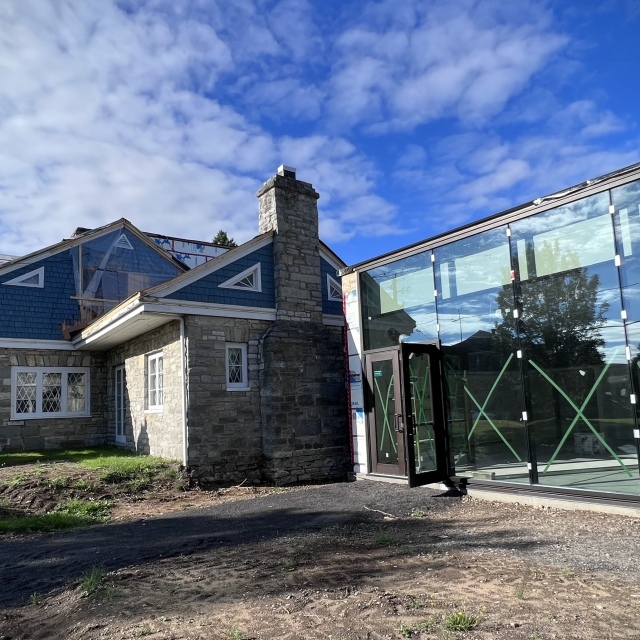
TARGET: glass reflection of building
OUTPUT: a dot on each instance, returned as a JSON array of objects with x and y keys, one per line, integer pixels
[{"x": 537, "y": 313}]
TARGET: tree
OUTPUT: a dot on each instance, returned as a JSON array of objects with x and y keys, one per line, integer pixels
[{"x": 223, "y": 239}]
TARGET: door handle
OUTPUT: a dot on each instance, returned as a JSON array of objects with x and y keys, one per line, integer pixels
[{"x": 398, "y": 423}]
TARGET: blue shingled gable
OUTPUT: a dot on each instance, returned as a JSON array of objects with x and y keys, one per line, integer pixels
[
  {"x": 329, "y": 306},
  {"x": 34, "y": 313},
  {"x": 207, "y": 288}
]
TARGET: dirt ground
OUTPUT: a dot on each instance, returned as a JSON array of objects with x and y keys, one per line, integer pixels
[{"x": 396, "y": 564}]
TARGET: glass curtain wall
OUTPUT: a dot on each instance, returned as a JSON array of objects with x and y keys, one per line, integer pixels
[
  {"x": 475, "y": 308},
  {"x": 542, "y": 317},
  {"x": 573, "y": 342}
]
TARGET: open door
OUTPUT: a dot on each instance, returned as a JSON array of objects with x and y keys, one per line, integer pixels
[
  {"x": 405, "y": 413},
  {"x": 423, "y": 409}
]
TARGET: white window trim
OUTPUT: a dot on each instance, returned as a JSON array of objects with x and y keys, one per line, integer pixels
[
  {"x": 154, "y": 408},
  {"x": 337, "y": 284},
  {"x": 244, "y": 384},
  {"x": 20, "y": 280},
  {"x": 232, "y": 283},
  {"x": 39, "y": 414}
]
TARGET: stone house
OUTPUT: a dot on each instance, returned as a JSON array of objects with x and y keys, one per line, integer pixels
[{"x": 236, "y": 367}]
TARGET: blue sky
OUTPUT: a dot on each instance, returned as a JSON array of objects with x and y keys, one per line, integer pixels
[{"x": 409, "y": 118}]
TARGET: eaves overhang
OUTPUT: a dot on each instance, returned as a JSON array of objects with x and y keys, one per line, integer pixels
[{"x": 141, "y": 314}]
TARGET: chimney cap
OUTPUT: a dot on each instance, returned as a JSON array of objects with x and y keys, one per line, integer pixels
[{"x": 287, "y": 172}]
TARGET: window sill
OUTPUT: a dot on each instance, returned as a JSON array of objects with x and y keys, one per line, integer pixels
[
  {"x": 238, "y": 388},
  {"x": 153, "y": 410},
  {"x": 49, "y": 416}
]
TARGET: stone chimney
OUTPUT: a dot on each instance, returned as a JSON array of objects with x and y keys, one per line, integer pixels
[
  {"x": 289, "y": 207},
  {"x": 305, "y": 433}
]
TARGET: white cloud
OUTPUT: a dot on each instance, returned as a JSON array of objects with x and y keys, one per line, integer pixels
[{"x": 462, "y": 59}]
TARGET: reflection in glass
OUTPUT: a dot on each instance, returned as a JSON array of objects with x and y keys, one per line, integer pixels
[
  {"x": 482, "y": 380},
  {"x": 399, "y": 303},
  {"x": 573, "y": 344}
]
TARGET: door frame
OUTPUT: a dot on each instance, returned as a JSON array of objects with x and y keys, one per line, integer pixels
[{"x": 377, "y": 355}]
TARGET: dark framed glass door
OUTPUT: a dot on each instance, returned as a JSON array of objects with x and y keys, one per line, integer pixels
[
  {"x": 425, "y": 431},
  {"x": 386, "y": 422},
  {"x": 406, "y": 423}
]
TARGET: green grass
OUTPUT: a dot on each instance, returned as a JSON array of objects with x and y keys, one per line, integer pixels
[
  {"x": 235, "y": 634},
  {"x": 460, "y": 621},
  {"x": 408, "y": 631},
  {"x": 116, "y": 469},
  {"x": 92, "y": 580},
  {"x": 61, "y": 482},
  {"x": 51, "y": 455},
  {"x": 73, "y": 513},
  {"x": 384, "y": 540}
]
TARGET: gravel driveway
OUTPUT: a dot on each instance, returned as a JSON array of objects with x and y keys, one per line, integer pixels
[{"x": 594, "y": 542}]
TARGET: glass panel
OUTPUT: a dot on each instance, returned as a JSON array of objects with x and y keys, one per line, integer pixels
[
  {"x": 421, "y": 408},
  {"x": 160, "y": 380},
  {"x": 76, "y": 392},
  {"x": 482, "y": 381},
  {"x": 26, "y": 392},
  {"x": 573, "y": 343},
  {"x": 51, "y": 392},
  {"x": 114, "y": 267},
  {"x": 384, "y": 412},
  {"x": 399, "y": 303}
]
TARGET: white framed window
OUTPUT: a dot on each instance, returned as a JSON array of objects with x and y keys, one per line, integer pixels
[
  {"x": 155, "y": 382},
  {"x": 32, "y": 279},
  {"x": 334, "y": 289},
  {"x": 49, "y": 392},
  {"x": 249, "y": 280},
  {"x": 237, "y": 374}
]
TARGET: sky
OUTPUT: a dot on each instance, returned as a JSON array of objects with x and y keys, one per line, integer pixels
[{"x": 409, "y": 118}]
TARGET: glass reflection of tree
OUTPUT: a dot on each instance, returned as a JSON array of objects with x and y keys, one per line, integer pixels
[{"x": 560, "y": 322}]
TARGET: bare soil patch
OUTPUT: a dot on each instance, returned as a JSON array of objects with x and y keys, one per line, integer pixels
[{"x": 522, "y": 573}]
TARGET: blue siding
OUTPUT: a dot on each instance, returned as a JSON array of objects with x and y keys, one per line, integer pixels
[
  {"x": 329, "y": 306},
  {"x": 33, "y": 313},
  {"x": 207, "y": 288}
]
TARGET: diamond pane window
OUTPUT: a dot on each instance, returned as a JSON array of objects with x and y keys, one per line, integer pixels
[
  {"x": 76, "y": 391},
  {"x": 49, "y": 392},
  {"x": 237, "y": 367},
  {"x": 26, "y": 393}
]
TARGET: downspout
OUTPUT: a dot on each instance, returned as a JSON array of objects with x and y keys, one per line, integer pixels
[{"x": 185, "y": 426}]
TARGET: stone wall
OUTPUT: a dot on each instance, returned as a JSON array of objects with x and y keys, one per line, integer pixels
[
  {"x": 225, "y": 438},
  {"x": 305, "y": 431},
  {"x": 51, "y": 433},
  {"x": 158, "y": 433}
]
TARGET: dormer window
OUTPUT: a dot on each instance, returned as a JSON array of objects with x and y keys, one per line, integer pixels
[{"x": 249, "y": 280}]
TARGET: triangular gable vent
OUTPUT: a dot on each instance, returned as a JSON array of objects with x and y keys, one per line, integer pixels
[
  {"x": 249, "y": 280},
  {"x": 123, "y": 243},
  {"x": 31, "y": 279},
  {"x": 334, "y": 288}
]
